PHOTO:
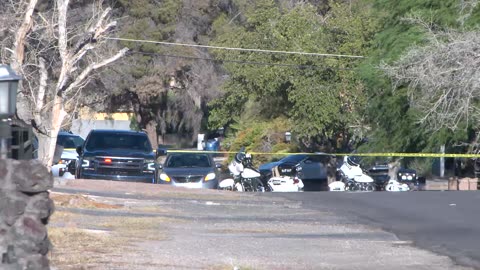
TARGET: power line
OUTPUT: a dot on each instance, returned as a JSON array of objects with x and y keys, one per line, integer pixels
[
  {"x": 236, "y": 49},
  {"x": 237, "y": 61}
]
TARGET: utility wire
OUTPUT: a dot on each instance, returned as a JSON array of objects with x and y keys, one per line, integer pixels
[
  {"x": 236, "y": 49},
  {"x": 237, "y": 61}
]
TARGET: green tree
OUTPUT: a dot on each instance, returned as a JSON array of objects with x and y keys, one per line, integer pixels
[
  {"x": 167, "y": 91},
  {"x": 322, "y": 96},
  {"x": 394, "y": 122}
]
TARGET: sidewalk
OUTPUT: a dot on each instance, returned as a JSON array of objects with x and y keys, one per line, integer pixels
[
  {"x": 442, "y": 184},
  {"x": 436, "y": 184}
]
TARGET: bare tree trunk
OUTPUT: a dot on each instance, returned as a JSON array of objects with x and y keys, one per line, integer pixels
[
  {"x": 393, "y": 168},
  {"x": 331, "y": 170},
  {"x": 151, "y": 130},
  {"x": 18, "y": 57},
  {"x": 46, "y": 90},
  {"x": 44, "y": 142},
  {"x": 20, "y": 36},
  {"x": 161, "y": 139}
]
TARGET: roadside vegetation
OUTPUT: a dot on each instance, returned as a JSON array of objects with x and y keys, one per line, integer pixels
[{"x": 412, "y": 89}]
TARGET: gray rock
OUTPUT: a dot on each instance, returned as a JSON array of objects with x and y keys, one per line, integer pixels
[
  {"x": 12, "y": 207},
  {"x": 25, "y": 208},
  {"x": 31, "y": 176},
  {"x": 40, "y": 206}
]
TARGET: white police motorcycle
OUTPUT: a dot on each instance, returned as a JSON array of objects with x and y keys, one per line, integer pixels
[
  {"x": 395, "y": 186},
  {"x": 247, "y": 178},
  {"x": 352, "y": 175}
]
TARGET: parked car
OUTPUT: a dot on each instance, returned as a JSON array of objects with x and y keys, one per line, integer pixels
[
  {"x": 117, "y": 155},
  {"x": 411, "y": 178},
  {"x": 379, "y": 173},
  {"x": 191, "y": 170},
  {"x": 212, "y": 145},
  {"x": 65, "y": 152},
  {"x": 314, "y": 169}
]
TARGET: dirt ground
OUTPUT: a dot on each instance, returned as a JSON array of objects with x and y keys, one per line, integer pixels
[{"x": 117, "y": 225}]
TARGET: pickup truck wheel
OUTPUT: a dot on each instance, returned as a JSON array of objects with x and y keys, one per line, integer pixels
[{"x": 78, "y": 174}]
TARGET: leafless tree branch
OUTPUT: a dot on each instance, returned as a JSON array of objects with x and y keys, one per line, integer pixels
[{"x": 443, "y": 79}]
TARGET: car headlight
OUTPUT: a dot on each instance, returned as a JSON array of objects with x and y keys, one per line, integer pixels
[
  {"x": 150, "y": 163},
  {"x": 87, "y": 162},
  {"x": 164, "y": 177},
  {"x": 210, "y": 176}
]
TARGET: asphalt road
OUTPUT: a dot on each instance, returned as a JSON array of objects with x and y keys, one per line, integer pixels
[{"x": 446, "y": 223}]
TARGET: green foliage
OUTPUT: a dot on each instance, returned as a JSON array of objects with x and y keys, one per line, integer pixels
[
  {"x": 260, "y": 136},
  {"x": 133, "y": 123},
  {"x": 325, "y": 96},
  {"x": 150, "y": 20},
  {"x": 393, "y": 122},
  {"x": 321, "y": 98}
]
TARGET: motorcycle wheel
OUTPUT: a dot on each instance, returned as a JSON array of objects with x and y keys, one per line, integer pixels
[
  {"x": 239, "y": 187},
  {"x": 258, "y": 186},
  {"x": 349, "y": 186},
  {"x": 357, "y": 186}
]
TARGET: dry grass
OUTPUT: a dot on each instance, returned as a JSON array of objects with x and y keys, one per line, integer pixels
[
  {"x": 80, "y": 201},
  {"x": 74, "y": 247},
  {"x": 64, "y": 219},
  {"x": 77, "y": 246},
  {"x": 138, "y": 228}
]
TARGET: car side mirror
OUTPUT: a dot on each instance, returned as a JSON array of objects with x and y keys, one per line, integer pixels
[
  {"x": 218, "y": 165},
  {"x": 161, "y": 152},
  {"x": 79, "y": 150},
  {"x": 159, "y": 166}
]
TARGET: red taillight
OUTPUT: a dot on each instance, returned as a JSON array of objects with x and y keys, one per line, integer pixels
[
  {"x": 108, "y": 160},
  {"x": 295, "y": 180}
]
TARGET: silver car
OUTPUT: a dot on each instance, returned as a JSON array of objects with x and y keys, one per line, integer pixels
[{"x": 191, "y": 170}]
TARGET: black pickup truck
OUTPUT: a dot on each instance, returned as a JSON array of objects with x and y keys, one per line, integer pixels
[{"x": 122, "y": 155}]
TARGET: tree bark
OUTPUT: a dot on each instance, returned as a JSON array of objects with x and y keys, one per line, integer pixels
[
  {"x": 393, "y": 168},
  {"x": 43, "y": 100},
  {"x": 151, "y": 130},
  {"x": 47, "y": 142},
  {"x": 21, "y": 34}
]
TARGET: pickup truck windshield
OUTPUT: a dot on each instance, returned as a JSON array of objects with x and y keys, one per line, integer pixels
[
  {"x": 69, "y": 141},
  {"x": 102, "y": 141}
]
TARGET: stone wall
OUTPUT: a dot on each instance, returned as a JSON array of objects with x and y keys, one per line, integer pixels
[{"x": 25, "y": 208}]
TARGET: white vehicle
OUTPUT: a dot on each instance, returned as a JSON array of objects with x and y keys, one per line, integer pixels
[
  {"x": 394, "y": 186},
  {"x": 353, "y": 176},
  {"x": 337, "y": 186},
  {"x": 65, "y": 153},
  {"x": 61, "y": 168},
  {"x": 247, "y": 178}
]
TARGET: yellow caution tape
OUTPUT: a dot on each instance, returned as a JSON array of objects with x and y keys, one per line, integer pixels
[{"x": 427, "y": 155}]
